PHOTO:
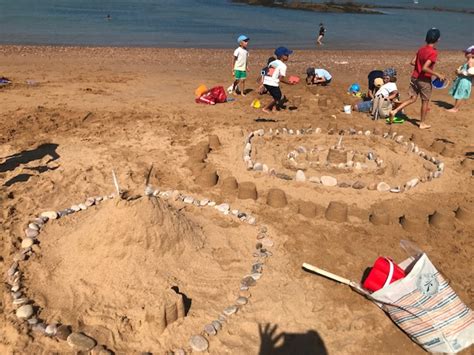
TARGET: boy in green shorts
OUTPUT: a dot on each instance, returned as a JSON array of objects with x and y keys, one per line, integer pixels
[{"x": 239, "y": 64}]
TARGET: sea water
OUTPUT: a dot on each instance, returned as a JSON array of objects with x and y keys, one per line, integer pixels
[{"x": 217, "y": 23}]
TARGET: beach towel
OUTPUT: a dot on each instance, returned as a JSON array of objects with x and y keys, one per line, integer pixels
[
  {"x": 425, "y": 307},
  {"x": 211, "y": 97}
]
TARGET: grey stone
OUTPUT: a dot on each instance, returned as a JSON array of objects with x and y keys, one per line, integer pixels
[
  {"x": 49, "y": 214},
  {"x": 358, "y": 185},
  {"x": 25, "y": 311},
  {"x": 241, "y": 301},
  {"x": 75, "y": 208},
  {"x": 248, "y": 281},
  {"x": 33, "y": 226},
  {"x": 27, "y": 243},
  {"x": 209, "y": 329},
  {"x": 80, "y": 342},
  {"x": 51, "y": 330},
  {"x": 198, "y": 343},
  {"x": 258, "y": 167},
  {"x": 328, "y": 181},
  {"x": 228, "y": 311},
  {"x": 63, "y": 332},
  {"x": 217, "y": 325},
  {"x": 300, "y": 176},
  {"x": 283, "y": 176},
  {"x": 31, "y": 233},
  {"x": 188, "y": 199},
  {"x": 82, "y": 206},
  {"x": 256, "y": 276},
  {"x": 19, "y": 301},
  {"x": 383, "y": 187},
  {"x": 32, "y": 321}
]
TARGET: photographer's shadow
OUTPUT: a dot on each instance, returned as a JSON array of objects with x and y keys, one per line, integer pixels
[{"x": 272, "y": 342}]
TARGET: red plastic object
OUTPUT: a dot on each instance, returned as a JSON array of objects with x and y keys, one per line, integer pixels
[
  {"x": 381, "y": 271},
  {"x": 294, "y": 79},
  {"x": 215, "y": 95}
]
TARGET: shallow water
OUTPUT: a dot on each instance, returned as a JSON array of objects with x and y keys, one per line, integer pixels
[{"x": 216, "y": 23}]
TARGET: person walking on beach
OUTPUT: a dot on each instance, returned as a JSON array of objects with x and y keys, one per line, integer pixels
[
  {"x": 461, "y": 89},
  {"x": 322, "y": 32},
  {"x": 420, "y": 83},
  {"x": 240, "y": 64},
  {"x": 276, "y": 74}
]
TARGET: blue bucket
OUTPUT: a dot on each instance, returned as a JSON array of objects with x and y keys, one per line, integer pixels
[{"x": 438, "y": 84}]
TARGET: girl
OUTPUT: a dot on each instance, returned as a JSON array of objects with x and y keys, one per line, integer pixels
[{"x": 461, "y": 89}]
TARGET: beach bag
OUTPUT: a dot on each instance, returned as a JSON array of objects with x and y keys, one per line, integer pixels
[
  {"x": 381, "y": 107},
  {"x": 425, "y": 307},
  {"x": 211, "y": 97}
]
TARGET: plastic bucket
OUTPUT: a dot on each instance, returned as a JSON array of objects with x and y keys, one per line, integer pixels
[
  {"x": 438, "y": 84},
  {"x": 347, "y": 109},
  {"x": 383, "y": 273}
]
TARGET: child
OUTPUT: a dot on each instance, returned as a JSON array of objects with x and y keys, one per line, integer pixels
[
  {"x": 276, "y": 74},
  {"x": 387, "y": 92},
  {"x": 322, "y": 32},
  {"x": 461, "y": 89},
  {"x": 420, "y": 84},
  {"x": 263, "y": 72},
  {"x": 317, "y": 77},
  {"x": 239, "y": 64}
]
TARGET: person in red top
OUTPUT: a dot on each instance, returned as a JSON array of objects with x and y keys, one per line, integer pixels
[{"x": 420, "y": 83}]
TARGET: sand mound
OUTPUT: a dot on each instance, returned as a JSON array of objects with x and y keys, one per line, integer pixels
[{"x": 114, "y": 269}]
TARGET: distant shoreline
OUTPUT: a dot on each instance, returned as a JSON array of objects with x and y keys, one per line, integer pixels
[{"x": 346, "y": 7}]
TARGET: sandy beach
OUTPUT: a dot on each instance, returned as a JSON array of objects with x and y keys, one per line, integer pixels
[{"x": 74, "y": 114}]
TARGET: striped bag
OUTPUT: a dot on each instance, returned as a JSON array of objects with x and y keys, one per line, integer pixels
[{"x": 427, "y": 308}]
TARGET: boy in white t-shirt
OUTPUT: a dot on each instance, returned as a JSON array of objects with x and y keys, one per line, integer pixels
[
  {"x": 239, "y": 64},
  {"x": 276, "y": 74}
]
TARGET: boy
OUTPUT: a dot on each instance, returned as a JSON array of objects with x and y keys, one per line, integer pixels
[
  {"x": 276, "y": 74},
  {"x": 420, "y": 83},
  {"x": 322, "y": 32},
  {"x": 317, "y": 77},
  {"x": 239, "y": 64}
]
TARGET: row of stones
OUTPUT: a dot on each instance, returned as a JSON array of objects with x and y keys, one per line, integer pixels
[
  {"x": 26, "y": 310},
  {"x": 332, "y": 181},
  {"x": 347, "y": 166},
  {"x": 199, "y": 342}
]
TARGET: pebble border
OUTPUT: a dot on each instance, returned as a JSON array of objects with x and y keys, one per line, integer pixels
[
  {"x": 332, "y": 181},
  {"x": 27, "y": 311}
]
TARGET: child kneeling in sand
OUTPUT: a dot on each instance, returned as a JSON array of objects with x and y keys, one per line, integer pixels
[
  {"x": 276, "y": 74},
  {"x": 388, "y": 92},
  {"x": 316, "y": 76}
]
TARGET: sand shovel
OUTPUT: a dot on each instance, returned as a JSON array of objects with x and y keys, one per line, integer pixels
[{"x": 354, "y": 285}]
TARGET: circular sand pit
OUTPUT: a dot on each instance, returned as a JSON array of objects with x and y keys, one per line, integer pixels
[
  {"x": 388, "y": 160},
  {"x": 247, "y": 190},
  {"x": 276, "y": 198},
  {"x": 465, "y": 214},
  {"x": 116, "y": 263},
  {"x": 336, "y": 212}
]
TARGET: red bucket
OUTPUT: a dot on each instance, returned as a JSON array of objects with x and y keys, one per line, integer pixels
[{"x": 382, "y": 274}]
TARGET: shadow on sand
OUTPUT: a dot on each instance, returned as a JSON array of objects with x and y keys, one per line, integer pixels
[{"x": 275, "y": 343}]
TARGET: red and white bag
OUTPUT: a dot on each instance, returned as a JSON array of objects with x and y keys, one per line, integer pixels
[{"x": 425, "y": 307}]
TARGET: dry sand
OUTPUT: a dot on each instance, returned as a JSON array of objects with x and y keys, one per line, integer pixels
[{"x": 108, "y": 272}]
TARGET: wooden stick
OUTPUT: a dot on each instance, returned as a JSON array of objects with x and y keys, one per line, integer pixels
[
  {"x": 116, "y": 183},
  {"x": 328, "y": 274},
  {"x": 147, "y": 181}
]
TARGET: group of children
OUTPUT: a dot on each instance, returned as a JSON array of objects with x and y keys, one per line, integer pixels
[{"x": 383, "y": 95}]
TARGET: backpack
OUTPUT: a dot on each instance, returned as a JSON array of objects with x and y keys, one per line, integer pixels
[{"x": 381, "y": 107}]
